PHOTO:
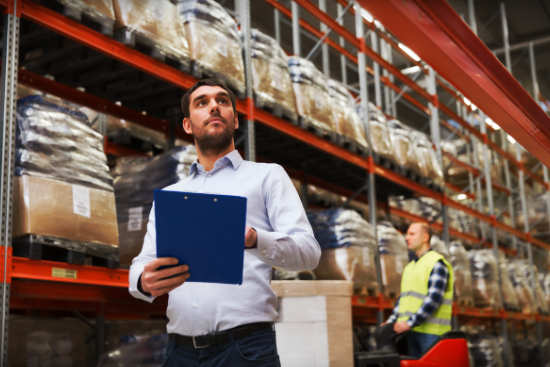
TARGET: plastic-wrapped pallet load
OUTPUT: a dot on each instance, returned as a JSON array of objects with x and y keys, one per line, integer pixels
[
  {"x": 485, "y": 350},
  {"x": 154, "y": 21},
  {"x": 439, "y": 246},
  {"x": 458, "y": 257},
  {"x": 394, "y": 256},
  {"x": 214, "y": 40},
  {"x": 533, "y": 275},
  {"x": 346, "y": 118},
  {"x": 428, "y": 164},
  {"x": 509, "y": 294},
  {"x": 348, "y": 245},
  {"x": 400, "y": 136},
  {"x": 545, "y": 283},
  {"x": 270, "y": 75},
  {"x": 518, "y": 271},
  {"x": 97, "y": 9},
  {"x": 313, "y": 102},
  {"x": 483, "y": 266},
  {"x": 379, "y": 134},
  {"x": 136, "y": 178},
  {"x": 64, "y": 188}
]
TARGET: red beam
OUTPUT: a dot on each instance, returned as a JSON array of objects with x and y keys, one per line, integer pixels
[{"x": 441, "y": 38}]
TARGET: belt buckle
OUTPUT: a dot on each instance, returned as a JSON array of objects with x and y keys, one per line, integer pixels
[{"x": 198, "y": 346}]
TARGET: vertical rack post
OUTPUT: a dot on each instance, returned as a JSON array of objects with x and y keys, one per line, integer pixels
[
  {"x": 547, "y": 195},
  {"x": 295, "y": 28},
  {"x": 472, "y": 16},
  {"x": 243, "y": 10},
  {"x": 343, "y": 61},
  {"x": 363, "y": 90},
  {"x": 376, "y": 68},
  {"x": 10, "y": 57},
  {"x": 505, "y": 37},
  {"x": 277, "y": 25},
  {"x": 508, "y": 179},
  {"x": 324, "y": 47},
  {"x": 533, "y": 67}
]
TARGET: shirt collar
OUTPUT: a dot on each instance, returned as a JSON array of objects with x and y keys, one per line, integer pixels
[{"x": 232, "y": 158}]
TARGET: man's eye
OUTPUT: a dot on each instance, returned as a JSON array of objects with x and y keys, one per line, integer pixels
[
  {"x": 201, "y": 102},
  {"x": 223, "y": 101}
]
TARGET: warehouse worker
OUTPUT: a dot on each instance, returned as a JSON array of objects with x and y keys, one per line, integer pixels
[
  {"x": 425, "y": 305},
  {"x": 221, "y": 324}
]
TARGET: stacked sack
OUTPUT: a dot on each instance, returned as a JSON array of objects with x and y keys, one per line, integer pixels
[
  {"x": 400, "y": 137},
  {"x": 157, "y": 21},
  {"x": 313, "y": 101},
  {"x": 483, "y": 266},
  {"x": 65, "y": 189},
  {"x": 427, "y": 163},
  {"x": 509, "y": 294},
  {"x": 544, "y": 279},
  {"x": 518, "y": 271},
  {"x": 379, "y": 134},
  {"x": 394, "y": 256},
  {"x": 214, "y": 40},
  {"x": 427, "y": 208},
  {"x": 349, "y": 248},
  {"x": 458, "y": 257},
  {"x": 270, "y": 75},
  {"x": 484, "y": 350},
  {"x": 439, "y": 246},
  {"x": 457, "y": 148},
  {"x": 346, "y": 117},
  {"x": 136, "y": 178}
]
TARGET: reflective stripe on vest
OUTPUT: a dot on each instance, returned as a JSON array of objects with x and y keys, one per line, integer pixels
[{"x": 414, "y": 288}]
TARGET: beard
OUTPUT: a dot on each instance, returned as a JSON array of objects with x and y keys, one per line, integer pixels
[{"x": 216, "y": 143}]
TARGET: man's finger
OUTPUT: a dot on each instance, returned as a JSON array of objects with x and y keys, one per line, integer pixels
[
  {"x": 170, "y": 282},
  {"x": 161, "y": 261}
]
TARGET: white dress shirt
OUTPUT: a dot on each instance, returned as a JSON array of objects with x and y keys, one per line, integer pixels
[{"x": 284, "y": 239}]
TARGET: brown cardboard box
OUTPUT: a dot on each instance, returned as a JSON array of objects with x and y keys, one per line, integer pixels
[{"x": 51, "y": 208}]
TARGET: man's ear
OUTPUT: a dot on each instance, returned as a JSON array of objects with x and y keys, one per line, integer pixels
[
  {"x": 187, "y": 125},
  {"x": 236, "y": 121}
]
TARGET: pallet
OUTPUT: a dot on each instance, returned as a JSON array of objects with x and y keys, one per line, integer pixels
[
  {"x": 275, "y": 108},
  {"x": 38, "y": 247},
  {"x": 306, "y": 124},
  {"x": 200, "y": 71},
  {"x": 97, "y": 22},
  {"x": 351, "y": 145},
  {"x": 142, "y": 43}
]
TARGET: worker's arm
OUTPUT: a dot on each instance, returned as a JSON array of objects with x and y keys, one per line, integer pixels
[
  {"x": 394, "y": 314},
  {"x": 437, "y": 284},
  {"x": 291, "y": 245}
]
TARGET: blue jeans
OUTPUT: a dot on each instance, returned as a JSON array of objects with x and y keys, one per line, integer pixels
[
  {"x": 419, "y": 343},
  {"x": 255, "y": 350}
]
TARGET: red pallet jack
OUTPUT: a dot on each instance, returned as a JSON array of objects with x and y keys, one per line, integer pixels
[{"x": 451, "y": 350}]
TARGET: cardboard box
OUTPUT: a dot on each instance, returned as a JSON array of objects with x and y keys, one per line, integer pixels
[
  {"x": 59, "y": 209},
  {"x": 315, "y": 325}
]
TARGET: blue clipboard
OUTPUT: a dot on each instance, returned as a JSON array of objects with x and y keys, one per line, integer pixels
[{"x": 204, "y": 231}]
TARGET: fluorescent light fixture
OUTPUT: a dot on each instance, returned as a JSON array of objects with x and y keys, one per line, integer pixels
[
  {"x": 461, "y": 196},
  {"x": 491, "y": 123},
  {"x": 411, "y": 70},
  {"x": 510, "y": 139},
  {"x": 378, "y": 25},
  {"x": 409, "y": 52},
  {"x": 365, "y": 14},
  {"x": 466, "y": 101}
]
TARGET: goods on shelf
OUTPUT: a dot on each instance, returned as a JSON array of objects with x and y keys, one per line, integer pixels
[
  {"x": 155, "y": 23},
  {"x": 544, "y": 279},
  {"x": 122, "y": 131},
  {"x": 461, "y": 221},
  {"x": 394, "y": 256},
  {"x": 148, "y": 350},
  {"x": 427, "y": 208},
  {"x": 214, "y": 40},
  {"x": 313, "y": 102},
  {"x": 439, "y": 246},
  {"x": 400, "y": 137},
  {"x": 378, "y": 131},
  {"x": 509, "y": 294},
  {"x": 520, "y": 275},
  {"x": 64, "y": 188},
  {"x": 483, "y": 266},
  {"x": 346, "y": 117},
  {"x": 97, "y": 9},
  {"x": 428, "y": 164},
  {"x": 458, "y": 257},
  {"x": 542, "y": 306},
  {"x": 536, "y": 211},
  {"x": 136, "y": 178},
  {"x": 484, "y": 350},
  {"x": 348, "y": 245},
  {"x": 270, "y": 75}
]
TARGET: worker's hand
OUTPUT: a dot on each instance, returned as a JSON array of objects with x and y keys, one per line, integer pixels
[
  {"x": 400, "y": 327},
  {"x": 250, "y": 237},
  {"x": 158, "y": 282}
]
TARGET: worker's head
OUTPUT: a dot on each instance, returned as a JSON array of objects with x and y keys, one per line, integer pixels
[
  {"x": 209, "y": 115},
  {"x": 418, "y": 237}
]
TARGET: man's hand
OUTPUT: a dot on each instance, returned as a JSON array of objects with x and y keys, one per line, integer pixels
[
  {"x": 400, "y": 327},
  {"x": 158, "y": 282},
  {"x": 250, "y": 237}
]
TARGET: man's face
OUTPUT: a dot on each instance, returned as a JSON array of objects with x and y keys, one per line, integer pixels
[
  {"x": 416, "y": 236},
  {"x": 211, "y": 120}
]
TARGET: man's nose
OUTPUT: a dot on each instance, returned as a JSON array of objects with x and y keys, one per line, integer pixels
[{"x": 213, "y": 105}]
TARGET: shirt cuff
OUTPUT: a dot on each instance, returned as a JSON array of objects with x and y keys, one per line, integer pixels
[
  {"x": 266, "y": 243},
  {"x": 135, "y": 286},
  {"x": 411, "y": 321}
]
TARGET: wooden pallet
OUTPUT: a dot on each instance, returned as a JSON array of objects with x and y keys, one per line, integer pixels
[
  {"x": 201, "y": 71},
  {"x": 97, "y": 22},
  {"x": 351, "y": 145},
  {"x": 306, "y": 124},
  {"x": 38, "y": 247},
  {"x": 148, "y": 46},
  {"x": 275, "y": 108}
]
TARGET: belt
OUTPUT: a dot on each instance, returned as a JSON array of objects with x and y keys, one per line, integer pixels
[{"x": 222, "y": 337}]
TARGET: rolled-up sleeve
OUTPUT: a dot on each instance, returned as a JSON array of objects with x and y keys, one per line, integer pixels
[
  {"x": 291, "y": 244},
  {"x": 147, "y": 254}
]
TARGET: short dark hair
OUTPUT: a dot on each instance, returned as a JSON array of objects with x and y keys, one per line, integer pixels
[{"x": 212, "y": 82}]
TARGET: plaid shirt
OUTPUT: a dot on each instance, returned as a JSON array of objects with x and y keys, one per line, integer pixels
[{"x": 437, "y": 283}]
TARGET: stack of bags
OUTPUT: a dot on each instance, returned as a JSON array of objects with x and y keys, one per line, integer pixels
[
  {"x": 136, "y": 178},
  {"x": 509, "y": 294},
  {"x": 349, "y": 248},
  {"x": 518, "y": 271},
  {"x": 427, "y": 163},
  {"x": 484, "y": 350},
  {"x": 214, "y": 40},
  {"x": 313, "y": 101},
  {"x": 64, "y": 188},
  {"x": 394, "y": 256},
  {"x": 270, "y": 75},
  {"x": 458, "y": 257},
  {"x": 439, "y": 246},
  {"x": 427, "y": 208},
  {"x": 483, "y": 266},
  {"x": 346, "y": 117},
  {"x": 379, "y": 134},
  {"x": 400, "y": 137}
]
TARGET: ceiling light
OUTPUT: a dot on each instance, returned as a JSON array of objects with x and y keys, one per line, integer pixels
[
  {"x": 411, "y": 70},
  {"x": 461, "y": 196},
  {"x": 365, "y": 14},
  {"x": 491, "y": 123},
  {"x": 409, "y": 52}
]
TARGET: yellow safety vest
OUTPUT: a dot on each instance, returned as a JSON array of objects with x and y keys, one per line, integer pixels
[{"x": 414, "y": 288}]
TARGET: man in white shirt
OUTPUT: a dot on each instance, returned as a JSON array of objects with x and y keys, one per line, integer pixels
[{"x": 220, "y": 324}]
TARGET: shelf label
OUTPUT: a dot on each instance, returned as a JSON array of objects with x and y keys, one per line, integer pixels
[
  {"x": 135, "y": 218},
  {"x": 64, "y": 273},
  {"x": 81, "y": 201}
]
